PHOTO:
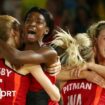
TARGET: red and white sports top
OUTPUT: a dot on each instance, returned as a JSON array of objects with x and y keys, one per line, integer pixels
[
  {"x": 36, "y": 87},
  {"x": 13, "y": 86},
  {"x": 82, "y": 92}
]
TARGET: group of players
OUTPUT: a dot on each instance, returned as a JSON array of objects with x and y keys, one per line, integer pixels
[{"x": 30, "y": 68}]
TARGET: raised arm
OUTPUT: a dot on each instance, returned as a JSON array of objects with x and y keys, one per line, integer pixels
[
  {"x": 39, "y": 75},
  {"x": 43, "y": 55}
]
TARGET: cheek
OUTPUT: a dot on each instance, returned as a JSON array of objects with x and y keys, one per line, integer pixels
[
  {"x": 40, "y": 35},
  {"x": 102, "y": 43},
  {"x": 101, "y": 47},
  {"x": 40, "y": 27},
  {"x": 41, "y": 31},
  {"x": 17, "y": 41}
]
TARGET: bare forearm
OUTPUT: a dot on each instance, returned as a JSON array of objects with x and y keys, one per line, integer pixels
[
  {"x": 13, "y": 55},
  {"x": 44, "y": 81},
  {"x": 66, "y": 75},
  {"x": 28, "y": 57},
  {"x": 88, "y": 75},
  {"x": 100, "y": 69},
  {"x": 17, "y": 57}
]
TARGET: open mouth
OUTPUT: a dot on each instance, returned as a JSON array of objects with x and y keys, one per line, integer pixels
[{"x": 31, "y": 32}]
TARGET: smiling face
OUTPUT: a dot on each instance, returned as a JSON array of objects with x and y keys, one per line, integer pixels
[
  {"x": 101, "y": 43},
  {"x": 35, "y": 27}
]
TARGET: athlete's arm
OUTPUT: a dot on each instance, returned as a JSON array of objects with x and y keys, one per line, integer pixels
[
  {"x": 46, "y": 55},
  {"x": 43, "y": 55},
  {"x": 39, "y": 75},
  {"x": 55, "y": 68},
  {"x": 91, "y": 76},
  {"x": 100, "y": 69}
]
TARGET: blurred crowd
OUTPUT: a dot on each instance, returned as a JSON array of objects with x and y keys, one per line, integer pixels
[{"x": 72, "y": 15}]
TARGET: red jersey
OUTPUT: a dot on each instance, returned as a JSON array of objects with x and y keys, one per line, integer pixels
[
  {"x": 13, "y": 86},
  {"x": 82, "y": 92},
  {"x": 36, "y": 87}
]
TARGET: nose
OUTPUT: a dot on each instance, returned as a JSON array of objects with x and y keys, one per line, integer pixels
[{"x": 33, "y": 24}]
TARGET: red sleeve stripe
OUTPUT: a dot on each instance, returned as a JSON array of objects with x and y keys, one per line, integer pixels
[
  {"x": 97, "y": 96},
  {"x": 17, "y": 79}
]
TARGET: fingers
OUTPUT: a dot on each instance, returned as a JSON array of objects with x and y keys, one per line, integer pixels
[
  {"x": 54, "y": 74},
  {"x": 54, "y": 69},
  {"x": 74, "y": 73},
  {"x": 77, "y": 71},
  {"x": 99, "y": 81},
  {"x": 56, "y": 63}
]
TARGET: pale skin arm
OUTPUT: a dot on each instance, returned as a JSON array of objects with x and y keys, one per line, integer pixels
[
  {"x": 91, "y": 76},
  {"x": 39, "y": 75},
  {"x": 100, "y": 69}
]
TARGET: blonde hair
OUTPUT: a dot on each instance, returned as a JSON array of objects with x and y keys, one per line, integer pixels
[
  {"x": 71, "y": 55},
  {"x": 85, "y": 46},
  {"x": 94, "y": 29},
  {"x": 6, "y": 24}
]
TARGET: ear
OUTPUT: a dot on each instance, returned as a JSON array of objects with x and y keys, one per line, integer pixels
[
  {"x": 94, "y": 49},
  {"x": 14, "y": 33},
  {"x": 94, "y": 41},
  {"x": 11, "y": 33},
  {"x": 46, "y": 31}
]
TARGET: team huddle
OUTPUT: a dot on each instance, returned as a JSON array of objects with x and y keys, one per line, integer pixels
[{"x": 68, "y": 70}]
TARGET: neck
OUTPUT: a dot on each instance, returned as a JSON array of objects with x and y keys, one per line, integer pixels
[
  {"x": 33, "y": 46},
  {"x": 1, "y": 56}
]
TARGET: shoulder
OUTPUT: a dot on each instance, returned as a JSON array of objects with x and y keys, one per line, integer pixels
[
  {"x": 49, "y": 54},
  {"x": 47, "y": 51}
]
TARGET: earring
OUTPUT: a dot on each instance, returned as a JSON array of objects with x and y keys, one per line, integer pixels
[{"x": 46, "y": 32}]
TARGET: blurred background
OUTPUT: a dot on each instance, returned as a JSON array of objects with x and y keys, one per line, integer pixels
[{"x": 73, "y": 15}]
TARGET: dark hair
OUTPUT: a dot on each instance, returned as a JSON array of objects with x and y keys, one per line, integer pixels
[{"x": 47, "y": 15}]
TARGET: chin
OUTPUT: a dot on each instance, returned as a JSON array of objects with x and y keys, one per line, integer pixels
[
  {"x": 31, "y": 41},
  {"x": 103, "y": 56}
]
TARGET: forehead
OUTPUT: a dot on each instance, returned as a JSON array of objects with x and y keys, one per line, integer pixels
[
  {"x": 36, "y": 15},
  {"x": 102, "y": 33}
]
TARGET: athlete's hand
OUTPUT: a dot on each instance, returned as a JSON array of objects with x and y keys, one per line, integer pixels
[
  {"x": 55, "y": 68},
  {"x": 75, "y": 72},
  {"x": 81, "y": 68}
]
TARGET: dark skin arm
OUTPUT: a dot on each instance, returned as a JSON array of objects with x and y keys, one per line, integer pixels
[{"x": 43, "y": 55}]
